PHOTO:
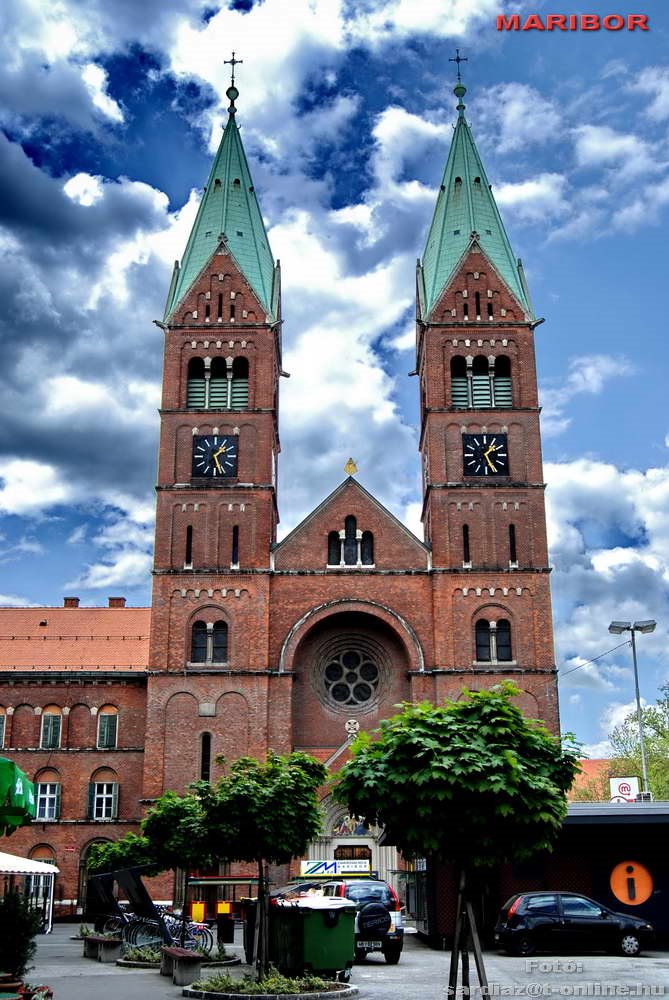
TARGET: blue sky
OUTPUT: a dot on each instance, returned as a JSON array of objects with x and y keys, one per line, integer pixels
[{"x": 111, "y": 113}]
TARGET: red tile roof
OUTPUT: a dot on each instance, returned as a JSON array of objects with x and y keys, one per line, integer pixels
[{"x": 74, "y": 639}]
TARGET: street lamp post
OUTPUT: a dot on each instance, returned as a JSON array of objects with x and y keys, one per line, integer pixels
[{"x": 645, "y": 626}]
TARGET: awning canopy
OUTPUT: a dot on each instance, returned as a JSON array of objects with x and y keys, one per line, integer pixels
[
  {"x": 10, "y": 864},
  {"x": 17, "y": 797}
]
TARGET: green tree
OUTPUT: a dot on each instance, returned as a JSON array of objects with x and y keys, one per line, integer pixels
[
  {"x": 626, "y": 755},
  {"x": 19, "y": 924},
  {"x": 259, "y": 811},
  {"x": 472, "y": 782}
]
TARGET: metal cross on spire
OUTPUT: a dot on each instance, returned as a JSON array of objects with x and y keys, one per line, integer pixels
[
  {"x": 233, "y": 62},
  {"x": 457, "y": 59}
]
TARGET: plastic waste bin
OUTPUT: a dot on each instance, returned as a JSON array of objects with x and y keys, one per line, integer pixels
[{"x": 316, "y": 935}]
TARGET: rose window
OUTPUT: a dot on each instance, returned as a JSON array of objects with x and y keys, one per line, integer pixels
[{"x": 351, "y": 677}]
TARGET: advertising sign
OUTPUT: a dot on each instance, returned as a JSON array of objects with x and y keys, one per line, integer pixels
[
  {"x": 355, "y": 866},
  {"x": 624, "y": 789}
]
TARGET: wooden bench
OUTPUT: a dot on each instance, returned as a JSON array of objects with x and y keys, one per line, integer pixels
[
  {"x": 103, "y": 949},
  {"x": 182, "y": 965}
]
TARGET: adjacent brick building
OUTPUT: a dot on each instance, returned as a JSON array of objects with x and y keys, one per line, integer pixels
[{"x": 252, "y": 643}]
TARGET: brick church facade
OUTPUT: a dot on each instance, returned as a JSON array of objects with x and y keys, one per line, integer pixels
[{"x": 252, "y": 643}]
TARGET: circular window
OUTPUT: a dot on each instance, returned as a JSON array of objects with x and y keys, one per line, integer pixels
[{"x": 351, "y": 677}]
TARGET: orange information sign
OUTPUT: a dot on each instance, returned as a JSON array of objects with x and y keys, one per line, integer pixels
[{"x": 631, "y": 883}]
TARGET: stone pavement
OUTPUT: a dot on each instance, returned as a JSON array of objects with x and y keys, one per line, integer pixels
[{"x": 422, "y": 974}]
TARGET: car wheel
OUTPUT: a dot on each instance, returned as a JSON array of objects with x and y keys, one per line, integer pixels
[
  {"x": 630, "y": 945},
  {"x": 392, "y": 955},
  {"x": 524, "y": 945}
]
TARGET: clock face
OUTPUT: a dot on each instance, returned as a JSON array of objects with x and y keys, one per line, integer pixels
[
  {"x": 485, "y": 455},
  {"x": 215, "y": 455}
]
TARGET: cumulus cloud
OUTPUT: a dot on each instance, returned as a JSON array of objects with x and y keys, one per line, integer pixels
[
  {"x": 535, "y": 199},
  {"x": 513, "y": 116},
  {"x": 588, "y": 374},
  {"x": 653, "y": 82}
]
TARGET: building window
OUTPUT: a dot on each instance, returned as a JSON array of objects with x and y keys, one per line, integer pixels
[
  {"x": 234, "y": 560},
  {"x": 350, "y": 541},
  {"x": 493, "y": 641},
  {"x": 481, "y": 387},
  {"x": 205, "y": 757},
  {"x": 334, "y": 549},
  {"x": 240, "y": 384},
  {"x": 513, "y": 552},
  {"x": 48, "y": 800},
  {"x": 219, "y": 385},
  {"x": 480, "y": 383},
  {"x": 107, "y": 727},
  {"x": 103, "y": 800},
  {"x": 51, "y": 727},
  {"x": 209, "y": 642},
  {"x": 501, "y": 383},
  {"x": 350, "y": 547},
  {"x": 351, "y": 678},
  {"x": 459, "y": 383},
  {"x": 196, "y": 390},
  {"x": 466, "y": 553},
  {"x": 367, "y": 548}
]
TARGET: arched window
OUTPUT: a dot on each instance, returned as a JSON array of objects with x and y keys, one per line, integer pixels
[
  {"x": 219, "y": 642},
  {"x": 205, "y": 757},
  {"x": 198, "y": 646},
  {"x": 350, "y": 541},
  {"x": 234, "y": 549},
  {"x": 51, "y": 728},
  {"x": 196, "y": 391},
  {"x": 3, "y": 723},
  {"x": 240, "y": 384},
  {"x": 107, "y": 727},
  {"x": 493, "y": 641},
  {"x": 502, "y": 382},
  {"x": 482, "y": 641},
  {"x": 458, "y": 184},
  {"x": 334, "y": 549},
  {"x": 219, "y": 386},
  {"x": 513, "y": 552},
  {"x": 503, "y": 641},
  {"x": 466, "y": 553},
  {"x": 367, "y": 548},
  {"x": 47, "y": 789},
  {"x": 209, "y": 642},
  {"x": 481, "y": 392},
  {"x": 188, "y": 555},
  {"x": 459, "y": 383},
  {"x": 103, "y": 792}
]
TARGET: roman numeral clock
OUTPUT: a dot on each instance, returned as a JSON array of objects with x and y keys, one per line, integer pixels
[
  {"x": 215, "y": 456},
  {"x": 485, "y": 455}
]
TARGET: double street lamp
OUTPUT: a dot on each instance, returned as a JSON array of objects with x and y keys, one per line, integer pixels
[{"x": 646, "y": 626}]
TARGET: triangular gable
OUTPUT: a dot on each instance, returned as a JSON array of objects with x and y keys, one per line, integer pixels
[{"x": 305, "y": 548}]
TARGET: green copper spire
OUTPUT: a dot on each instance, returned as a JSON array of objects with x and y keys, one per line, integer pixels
[
  {"x": 229, "y": 213},
  {"x": 465, "y": 206}
]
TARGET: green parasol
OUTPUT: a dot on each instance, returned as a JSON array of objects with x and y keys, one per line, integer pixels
[{"x": 17, "y": 797}]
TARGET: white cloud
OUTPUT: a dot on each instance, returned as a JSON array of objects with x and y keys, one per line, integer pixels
[
  {"x": 602, "y": 146},
  {"x": 376, "y": 21},
  {"x": 514, "y": 116},
  {"x": 28, "y": 487},
  {"x": 84, "y": 189},
  {"x": 95, "y": 79},
  {"x": 587, "y": 373},
  {"x": 14, "y": 601},
  {"x": 535, "y": 199},
  {"x": 653, "y": 81}
]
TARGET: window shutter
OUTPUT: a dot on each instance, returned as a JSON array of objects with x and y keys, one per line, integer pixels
[
  {"x": 459, "y": 392},
  {"x": 56, "y": 814},
  {"x": 50, "y": 732},
  {"x": 240, "y": 393},
  {"x": 107, "y": 735},
  {"x": 503, "y": 396},
  {"x": 115, "y": 791},
  {"x": 91, "y": 800},
  {"x": 218, "y": 394},
  {"x": 481, "y": 390},
  {"x": 196, "y": 392}
]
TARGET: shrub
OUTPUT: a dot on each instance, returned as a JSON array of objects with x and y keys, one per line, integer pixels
[
  {"x": 145, "y": 953},
  {"x": 19, "y": 924},
  {"x": 273, "y": 982}
]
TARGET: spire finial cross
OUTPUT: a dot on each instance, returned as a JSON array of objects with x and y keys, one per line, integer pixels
[
  {"x": 456, "y": 59},
  {"x": 233, "y": 62}
]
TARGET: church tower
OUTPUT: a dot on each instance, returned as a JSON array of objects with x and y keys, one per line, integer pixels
[
  {"x": 483, "y": 489},
  {"x": 216, "y": 511}
]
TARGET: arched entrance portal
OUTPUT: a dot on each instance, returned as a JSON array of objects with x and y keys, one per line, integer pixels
[{"x": 350, "y": 663}]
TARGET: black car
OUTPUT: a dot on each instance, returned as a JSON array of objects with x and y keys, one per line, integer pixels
[
  {"x": 378, "y": 921},
  {"x": 531, "y": 921}
]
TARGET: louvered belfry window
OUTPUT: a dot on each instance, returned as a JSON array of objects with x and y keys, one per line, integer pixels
[
  {"x": 219, "y": 386},
  {"x": 502, "y": 382},
  {"x": 481, "y": 394},
  {"x": 196, "y": 391},
  {"x": 240, "y": 384},
  {"x": 459, "y": 383}
]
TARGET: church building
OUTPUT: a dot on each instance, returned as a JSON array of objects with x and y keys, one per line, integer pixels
[{"x": 252, "y": 643}]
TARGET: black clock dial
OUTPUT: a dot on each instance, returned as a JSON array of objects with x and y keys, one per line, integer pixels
[
  {"x": 485, "y": 455},
  {"x": 215, "y": 455}
]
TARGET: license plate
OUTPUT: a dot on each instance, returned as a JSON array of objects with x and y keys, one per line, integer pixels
[{"x": 368, "y": 944}]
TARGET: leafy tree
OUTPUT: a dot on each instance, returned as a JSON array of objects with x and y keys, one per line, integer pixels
[
  {"x": 473, "y": 782},
  {"x": 624, "y": 739},
  {"x": 19, "y": 924},
  {"x": 258, "y": 812}
]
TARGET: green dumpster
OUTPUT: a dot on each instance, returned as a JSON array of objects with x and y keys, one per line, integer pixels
[{"x": 313, "y": 935}]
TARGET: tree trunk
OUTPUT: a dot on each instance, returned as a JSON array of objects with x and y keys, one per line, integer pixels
[
  {"x": 261, "y": 935},
  {"x": 465, "y": 937}
]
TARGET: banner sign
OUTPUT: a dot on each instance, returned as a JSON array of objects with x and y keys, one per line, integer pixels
[{"x": 352, "y": 867}]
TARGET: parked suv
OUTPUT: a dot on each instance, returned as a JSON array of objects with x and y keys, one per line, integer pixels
[
  {"x": 378, "y": 920},
  {"x": 564, "y": 920}
]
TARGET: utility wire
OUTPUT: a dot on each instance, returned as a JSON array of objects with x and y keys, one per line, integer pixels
[{"x": 563, "y": 673}]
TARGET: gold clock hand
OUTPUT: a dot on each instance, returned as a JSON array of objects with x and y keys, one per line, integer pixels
[{"x": 486, "y": 455}]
